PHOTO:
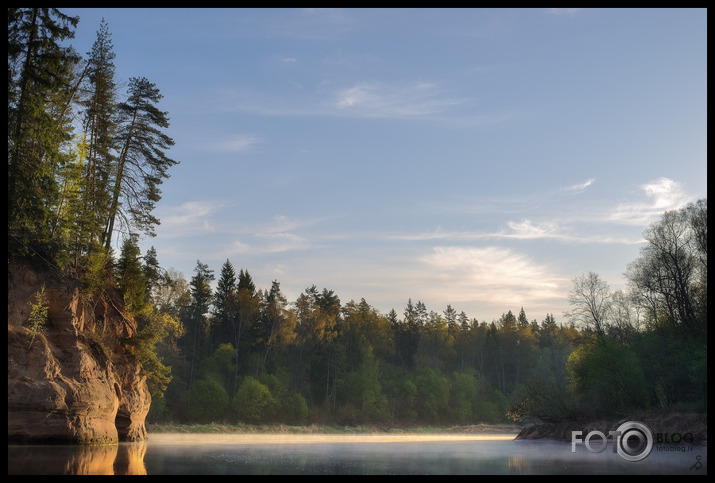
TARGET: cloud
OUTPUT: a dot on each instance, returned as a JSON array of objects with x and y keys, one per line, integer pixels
[
  {"x": 189, "y": 218},
  {"x": 368, "y": 100},
  {"x": 580, "y": 186},
  {"x": 278, "y": 235},
  {"x": 527, "y": 230},
  {"x": 663, "y": 194},
  {"x": 488, "y": 274},
  {"x": 235, "y": 144},
  {"x": 393, "y": 100}
]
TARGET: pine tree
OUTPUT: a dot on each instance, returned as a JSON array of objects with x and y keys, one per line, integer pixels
[
  {"x": 151, "y": 270},
  {"x": 100, "y": 127},
  {"x": 130, "y": 276},
  {"x": 142, "y": 163},
  {"x": 200, "y": 302},
  {"x": 38, "y": 71},
  {"x": 224, "y": 312}
]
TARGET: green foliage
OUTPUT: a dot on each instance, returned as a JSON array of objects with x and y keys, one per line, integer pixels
[
  {"x": 608, "y": 377},
  {"x": 130, "y": 276},
  {"x": 432, "y": 401},
  {"x": 364, "y": 392},
  {"x": 253, "y": 402},
  {"x": 290, "y": 406},
  {"x": 95, "y": 277},
  {"x": 465, "y": 397},
  {"x": 37, "y": 319},
  {"x": 40, "y": 71},
  {"x": 220, "y": 366},
  {"x": 208, "y": 401},
  {"x": 155, "y": 326}
]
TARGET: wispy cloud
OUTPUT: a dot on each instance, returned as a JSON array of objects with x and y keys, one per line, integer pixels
[
  {"x": 525, "y": 229},
  {"x": 528, "y": 230},
  {"x": 280, "y": 234},
  {"x": 394, "y": 100},
  {"x": 661, "y": 195},
  {"x": 236, "y": 143},
  {"x": 188, "y": 218},
  {"x": 580, "y": 186},
  {"x": 408, "y": 100}
]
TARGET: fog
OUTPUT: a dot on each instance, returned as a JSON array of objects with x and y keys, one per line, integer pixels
[{"x": 345, "y": 454}]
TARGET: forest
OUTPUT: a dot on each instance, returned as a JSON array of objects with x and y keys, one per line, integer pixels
[{"x": 85, "y": 167}]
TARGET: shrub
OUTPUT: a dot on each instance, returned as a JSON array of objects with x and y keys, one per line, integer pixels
[
  {"x": 254, "y": 402},
  {"x": 208, "y": 401},
  {"x": 608, "y": 376},
  {"x": 37, "y": 320}
]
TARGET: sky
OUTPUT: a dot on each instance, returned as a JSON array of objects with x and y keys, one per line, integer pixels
[{"x": 477, "y": 158}]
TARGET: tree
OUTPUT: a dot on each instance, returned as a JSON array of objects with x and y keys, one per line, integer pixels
[
  {"x": 142, "y": 163},
  {"x": 200, "y": 303},
  {"x": 590, "y": 298},
  {"x": 208, "y": 401},
  {"x": 247, "y": 312},
  {"x": 608, "y": 377},
  {"x": 152, "y": 271},
  {"x": 276, "y": 324},
  {"x": 130, "y": 276},
  {"x": 224, "y": 305},
  {"x": 671, "y": 273},
  {"x": 253, "y": 402},
  {"x": 99, "y": 128},
  {"x": 522, "y": 320},
  {"x": 39, "y": 71}
]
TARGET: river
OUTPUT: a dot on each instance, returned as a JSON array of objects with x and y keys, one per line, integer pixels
[{"x": 294, "y": 454}]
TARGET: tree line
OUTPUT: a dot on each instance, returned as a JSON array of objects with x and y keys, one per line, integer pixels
[
  {"x": 250, "y": 355},
  {"x": 85, "y": 167}
]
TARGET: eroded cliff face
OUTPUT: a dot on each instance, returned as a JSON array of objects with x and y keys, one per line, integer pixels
[{"x": 74, "y": 383}]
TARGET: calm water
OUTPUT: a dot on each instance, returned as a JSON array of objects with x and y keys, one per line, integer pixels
[{"x": 173, "y": 454}]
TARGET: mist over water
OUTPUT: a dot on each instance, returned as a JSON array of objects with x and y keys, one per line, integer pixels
[{"x": 175, "y": 454}]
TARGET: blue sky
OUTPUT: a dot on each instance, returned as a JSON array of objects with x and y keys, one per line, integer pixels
[{"x": 474, "y": 157}]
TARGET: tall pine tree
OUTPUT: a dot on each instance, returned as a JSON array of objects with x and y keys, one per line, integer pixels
[
  {"x": 142, "y": 163},
  {"x": 100, "y": 127},
  {"x": 39, "y": 69}
]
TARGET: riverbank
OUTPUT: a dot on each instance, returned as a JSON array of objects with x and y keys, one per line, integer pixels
[
  {"x": 214, "y": 428},
  {"x": 659, "y": 422}
]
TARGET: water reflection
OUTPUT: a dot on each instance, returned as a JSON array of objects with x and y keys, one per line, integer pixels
[
  {"x": 342, "y": 454},
  {"x": 114, "y": 459}
]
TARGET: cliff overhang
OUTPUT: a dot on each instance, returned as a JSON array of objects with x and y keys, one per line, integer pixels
[{"x": 73, "y": 382}]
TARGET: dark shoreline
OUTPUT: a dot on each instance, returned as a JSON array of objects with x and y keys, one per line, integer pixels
[{"x": 694, "y": 425}]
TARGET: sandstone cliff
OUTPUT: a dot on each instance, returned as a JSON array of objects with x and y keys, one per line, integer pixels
[{"x": 73, "y": 383}]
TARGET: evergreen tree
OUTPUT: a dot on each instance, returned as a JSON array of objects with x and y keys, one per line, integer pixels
[
  {"x": 246, "y": 314},
  {"x": 100, "y": 128},
  {"x": 152, "y": 270},
  {"x": 224, "y": 306},
  {"x": 39, "y": 69},
  {"x": 142, "y": 163},
  {"x": 130, "y": 276},
  {"x": 198, "y": 310}
]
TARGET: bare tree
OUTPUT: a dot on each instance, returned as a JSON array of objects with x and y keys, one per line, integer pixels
[
  {"x": 671, "y": 273},
  {"x": 590, "y": 298}
]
